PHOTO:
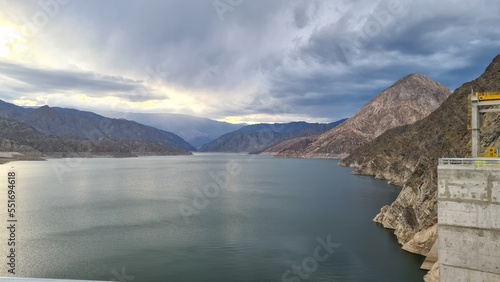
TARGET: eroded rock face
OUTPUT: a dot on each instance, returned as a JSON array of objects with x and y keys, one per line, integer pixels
[
  {"x": 408, "y": 156},
  {"x": 408, "y": 100},
  {"x": 433, "y": 274},
  {"x": 291, "y": 148},
  {"x": 422, "y": 241}
]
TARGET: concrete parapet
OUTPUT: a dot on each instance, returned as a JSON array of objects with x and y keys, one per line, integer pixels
[{"x": 468, "y": 223}]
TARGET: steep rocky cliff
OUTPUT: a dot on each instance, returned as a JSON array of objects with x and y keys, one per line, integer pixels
[
  {"x": 408, "y": 100},
  {"x": 291, "y": 148},
  {"x": 408, "y": 156}
]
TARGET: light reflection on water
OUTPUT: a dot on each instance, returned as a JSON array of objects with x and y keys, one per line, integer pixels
[{"x": 110, "y": 214}]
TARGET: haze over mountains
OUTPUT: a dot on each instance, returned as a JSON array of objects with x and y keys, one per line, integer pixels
[
  {"x": 408, "y": 100},
  {"x": 195, "y": 130},
  {"x": 89, "y": 132}
]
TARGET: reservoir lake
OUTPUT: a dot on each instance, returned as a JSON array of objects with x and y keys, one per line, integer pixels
[{"x": 206, "y": 217}]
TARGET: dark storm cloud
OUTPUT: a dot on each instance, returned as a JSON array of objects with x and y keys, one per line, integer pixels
[
  {"x": 317, "y": 58},
  {"x": 323, "y": 94},
  {"x": 37, "y": 80},
  {"x": 413, "y": 35},
  {"x": 64, "y": 80},
  {"x": 184, "y": 39}
]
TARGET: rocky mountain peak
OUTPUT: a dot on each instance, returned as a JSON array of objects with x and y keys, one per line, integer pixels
[
  {"x": 408, "y": 100},
  {"x": 408, "y": 156},
  {"x": 406, "y": 86},
  {"x": 494, "y": 66},
  {"x": 44, "y": 119},
  {"x": 414, "y": 76},
  {"x": 43, "y": 111}
]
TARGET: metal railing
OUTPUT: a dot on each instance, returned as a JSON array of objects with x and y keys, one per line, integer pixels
[{"x": 478, "y": 162}]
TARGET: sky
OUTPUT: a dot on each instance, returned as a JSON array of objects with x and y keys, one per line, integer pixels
[{"x": 237, "y": 60}]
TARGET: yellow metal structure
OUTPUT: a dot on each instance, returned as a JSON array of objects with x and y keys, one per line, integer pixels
[
  {"x": 488, "y": 96},
  {"x": 491, "y": 153},
  {"x": 478, "y": 100}
]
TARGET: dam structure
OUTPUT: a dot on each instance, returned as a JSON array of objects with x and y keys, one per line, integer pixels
[
  {"x": 468, "y": 244},
  {"x": 469, "y": 219}
]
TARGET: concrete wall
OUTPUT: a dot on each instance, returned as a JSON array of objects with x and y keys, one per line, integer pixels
[{"x": 468, "y": 223}]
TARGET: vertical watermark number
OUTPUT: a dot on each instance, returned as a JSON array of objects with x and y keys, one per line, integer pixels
[{"x": 11, "y": 221}]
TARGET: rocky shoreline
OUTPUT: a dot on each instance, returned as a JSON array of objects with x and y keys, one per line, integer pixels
[
  {"x": 397, "y": 216},
  {"x": 408, "y": 157}
]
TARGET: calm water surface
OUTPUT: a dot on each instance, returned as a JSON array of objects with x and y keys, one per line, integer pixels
[{"x": 149, "y": 219}]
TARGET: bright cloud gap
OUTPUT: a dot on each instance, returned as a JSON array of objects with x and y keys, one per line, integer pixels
[{"x": 260, "y": 61}]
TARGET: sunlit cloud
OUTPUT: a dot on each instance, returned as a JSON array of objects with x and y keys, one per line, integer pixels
[
  {"x": 266, "y": 61},
  {"x": 12, "y": 42}
]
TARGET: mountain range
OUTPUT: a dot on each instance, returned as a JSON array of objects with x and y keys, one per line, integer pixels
[
  {"x": 54, "y": 125},
  {"x": 406, "y": 101},
  {"x": 398, "y": 136},
  {"x": 195, "y": 130},
  {"x": 83, "y": 132},
  {"x": 408, "y": 156},
  {"x": 256, "y": 138}
]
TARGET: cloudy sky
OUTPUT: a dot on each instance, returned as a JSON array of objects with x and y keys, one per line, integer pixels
[{"x": 237, "y": 60}]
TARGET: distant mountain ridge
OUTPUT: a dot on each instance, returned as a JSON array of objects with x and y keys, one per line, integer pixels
[
  {"x": 11, "y": 111},
  {"x": 75, "y": 125},
  {"x": 257, "y": 137},
  {"x": 406, "y": 101},
  {"x": 196, "y": 131},
  {"x": 69, "y": 122},
  {"x": 18, "y": 137}
]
